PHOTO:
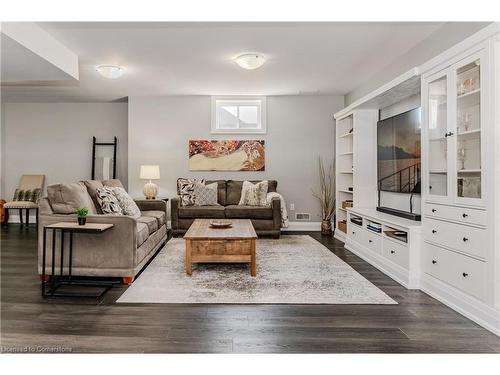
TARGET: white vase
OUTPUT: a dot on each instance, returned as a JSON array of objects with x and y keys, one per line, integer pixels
[{"x": 150, "y": 190}]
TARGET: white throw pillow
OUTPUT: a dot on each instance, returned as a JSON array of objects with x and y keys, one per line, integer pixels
[
  {"x": 126, "y": 202},
  {"x": 205, "y": 195},
  {"x": 254, "y": 195},
  {"x": 108, "y": 202}
]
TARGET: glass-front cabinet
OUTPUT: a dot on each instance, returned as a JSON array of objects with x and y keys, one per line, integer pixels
[{"x": 452, "y": 121}]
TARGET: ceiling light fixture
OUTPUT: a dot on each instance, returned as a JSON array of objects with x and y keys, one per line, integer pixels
[
  {"x": 110, "y": 71},
  {"x": 250, "y": 61}
]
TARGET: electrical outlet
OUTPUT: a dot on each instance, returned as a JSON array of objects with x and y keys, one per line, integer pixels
[{"x": 292, "y": 206}]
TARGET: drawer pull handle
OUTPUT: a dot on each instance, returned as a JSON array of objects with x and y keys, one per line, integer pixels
[
  {"x": 393, "y": 252},
  {"x": 434, "y": 210},
  {"x": 434, "y": 262},
  {"x": 370, "y": 241},
  {"x": 465, "y": 274},
  {"x": 465, "y": 239},
  {"x": 434, "y": 231},
  {"x": 464, "y": 215},
  {"x": 353, "y": 232}
]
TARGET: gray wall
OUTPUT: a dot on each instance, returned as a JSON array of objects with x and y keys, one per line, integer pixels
[
  {"x": 439, "y": 41},
  {"x": 300, "y": 128},
  {"x": 55, "y": 139}
]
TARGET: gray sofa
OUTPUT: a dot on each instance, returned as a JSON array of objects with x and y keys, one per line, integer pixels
[
  {"x": 265, "y": 220},
  {"x": 121, "y": 251}
]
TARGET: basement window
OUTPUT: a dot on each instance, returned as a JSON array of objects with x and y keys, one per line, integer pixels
[{"x": 239, "y": 115}]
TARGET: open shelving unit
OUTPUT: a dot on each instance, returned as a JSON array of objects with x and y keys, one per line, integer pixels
[
  {"x": 344, "y": 170},
  {"x": 355, "y": 164}
]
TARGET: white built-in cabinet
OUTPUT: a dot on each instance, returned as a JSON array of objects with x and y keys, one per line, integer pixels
[
  {"x": 454, "y": 255},
  {"x": 460, "y": 183},
  {"x": 455, "y": 108}
]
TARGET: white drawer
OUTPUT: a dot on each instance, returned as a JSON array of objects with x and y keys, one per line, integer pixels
[
  {"x": 463, "y": 215},
  {"x": 355, "y": 232},
  {"x": 373, "y": 241},
  {"x": 465, "y": 238},
  {"x": 396, "y": 252},
  {"x": 460, "y": 271}
]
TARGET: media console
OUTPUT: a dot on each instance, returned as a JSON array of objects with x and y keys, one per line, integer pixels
[{"x": 390, "y": 243}]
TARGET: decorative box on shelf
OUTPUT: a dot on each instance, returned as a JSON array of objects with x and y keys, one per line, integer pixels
[
  {"x": 342, "y": 225},
  {"x": 347, "y": 204}
]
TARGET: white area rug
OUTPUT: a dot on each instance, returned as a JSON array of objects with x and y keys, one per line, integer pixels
[{"x": 291, "y": 270}]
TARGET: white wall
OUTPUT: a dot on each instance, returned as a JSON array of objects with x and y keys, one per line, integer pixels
[
  {"x": 445, "y": 37},
  {"x": 300, "y": 128},
  {"x": 55, "y": 139}
]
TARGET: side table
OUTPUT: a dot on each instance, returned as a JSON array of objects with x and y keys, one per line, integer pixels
[{"x": 56, "y": 281}]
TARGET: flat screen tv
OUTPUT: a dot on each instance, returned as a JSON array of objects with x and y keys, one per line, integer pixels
[{"x": 398, "y": 149}]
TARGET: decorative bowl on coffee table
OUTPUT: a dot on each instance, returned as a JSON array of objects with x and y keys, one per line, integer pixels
[{"x": 219, "y": 224}]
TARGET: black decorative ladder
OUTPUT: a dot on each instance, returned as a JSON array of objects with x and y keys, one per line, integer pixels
[{"x": 95, "y": 144}]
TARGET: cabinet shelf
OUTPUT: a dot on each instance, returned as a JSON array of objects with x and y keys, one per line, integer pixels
[
  {"x": 346, "y": 172},
  {"x": 470, "y": 134},
  {"x": 464, "y": 171},
  {"x": 345, "y": 191},
  {"x": 438, "y": 171},
  {"x": 469, "y": 99},
  {"x": 346, "y": 153},
  {"x": 345, "y": 135},
  {"x": 470, "y": 93}
]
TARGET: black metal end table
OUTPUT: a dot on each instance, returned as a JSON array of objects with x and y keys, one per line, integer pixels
[{"x": 57, "y": 281}]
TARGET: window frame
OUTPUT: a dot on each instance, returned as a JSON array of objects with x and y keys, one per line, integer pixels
[{"x": 260, "y": 101}]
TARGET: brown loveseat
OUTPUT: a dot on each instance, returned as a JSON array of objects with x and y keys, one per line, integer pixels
[
  {"x": 121, "y": 251},
  {"x": 265, "y": 220}
]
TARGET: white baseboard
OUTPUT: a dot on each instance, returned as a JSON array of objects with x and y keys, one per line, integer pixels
[
  {"x": 308, "y": 226},
  {"x": 477, "y": 311},
  {"x": 312, "y": 226},
  {"x": 14, "y": 219}
]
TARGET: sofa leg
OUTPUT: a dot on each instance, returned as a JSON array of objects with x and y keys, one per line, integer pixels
[{"x": 127, "y": 280}]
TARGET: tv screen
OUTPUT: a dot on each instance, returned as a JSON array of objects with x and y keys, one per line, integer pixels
[{"x": 398, "y": 149}]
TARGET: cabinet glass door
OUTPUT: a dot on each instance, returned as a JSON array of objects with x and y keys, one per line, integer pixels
[
  {"x": 437, "y": 139},
  {"x": 468, "y": 122}
]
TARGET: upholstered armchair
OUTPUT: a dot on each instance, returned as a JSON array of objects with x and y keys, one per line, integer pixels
[{"x": 26, "y": 196}]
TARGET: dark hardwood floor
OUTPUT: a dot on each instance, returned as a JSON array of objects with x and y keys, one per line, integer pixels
[{"x": 418, "y": 324}]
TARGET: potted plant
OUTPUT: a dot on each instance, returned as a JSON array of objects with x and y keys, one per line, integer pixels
[
  {"x": 326, "y": 196},
  {"x": 82, "y": 213}
]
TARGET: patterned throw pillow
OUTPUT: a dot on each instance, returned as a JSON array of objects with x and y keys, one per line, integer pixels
[
  {"x": 205, "y": 195},
  {"x": 27, "y": 195},
  {"x": 18, "y": 195},
  {"x": 254, "y": 195},
  {"x": 126, "y": 202},
  {"x": 185, "y": 189},
  {"x": 108, "y": 201}
]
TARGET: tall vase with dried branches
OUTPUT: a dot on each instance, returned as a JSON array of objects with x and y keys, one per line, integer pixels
[{"x": 326, "y": 195}]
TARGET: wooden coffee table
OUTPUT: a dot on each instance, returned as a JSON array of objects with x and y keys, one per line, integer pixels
[{"x": 228, "y": 245}]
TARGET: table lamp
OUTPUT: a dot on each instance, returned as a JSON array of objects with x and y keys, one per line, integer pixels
[{"x": 150, "y": 172}]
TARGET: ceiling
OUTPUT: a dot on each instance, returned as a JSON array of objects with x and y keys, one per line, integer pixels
[
  {"x": 21, "y": 65},
  {"x": 196, "y": 58}
]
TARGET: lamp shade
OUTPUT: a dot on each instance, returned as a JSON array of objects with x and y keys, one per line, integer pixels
[{"x": 150, "y": 172}]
